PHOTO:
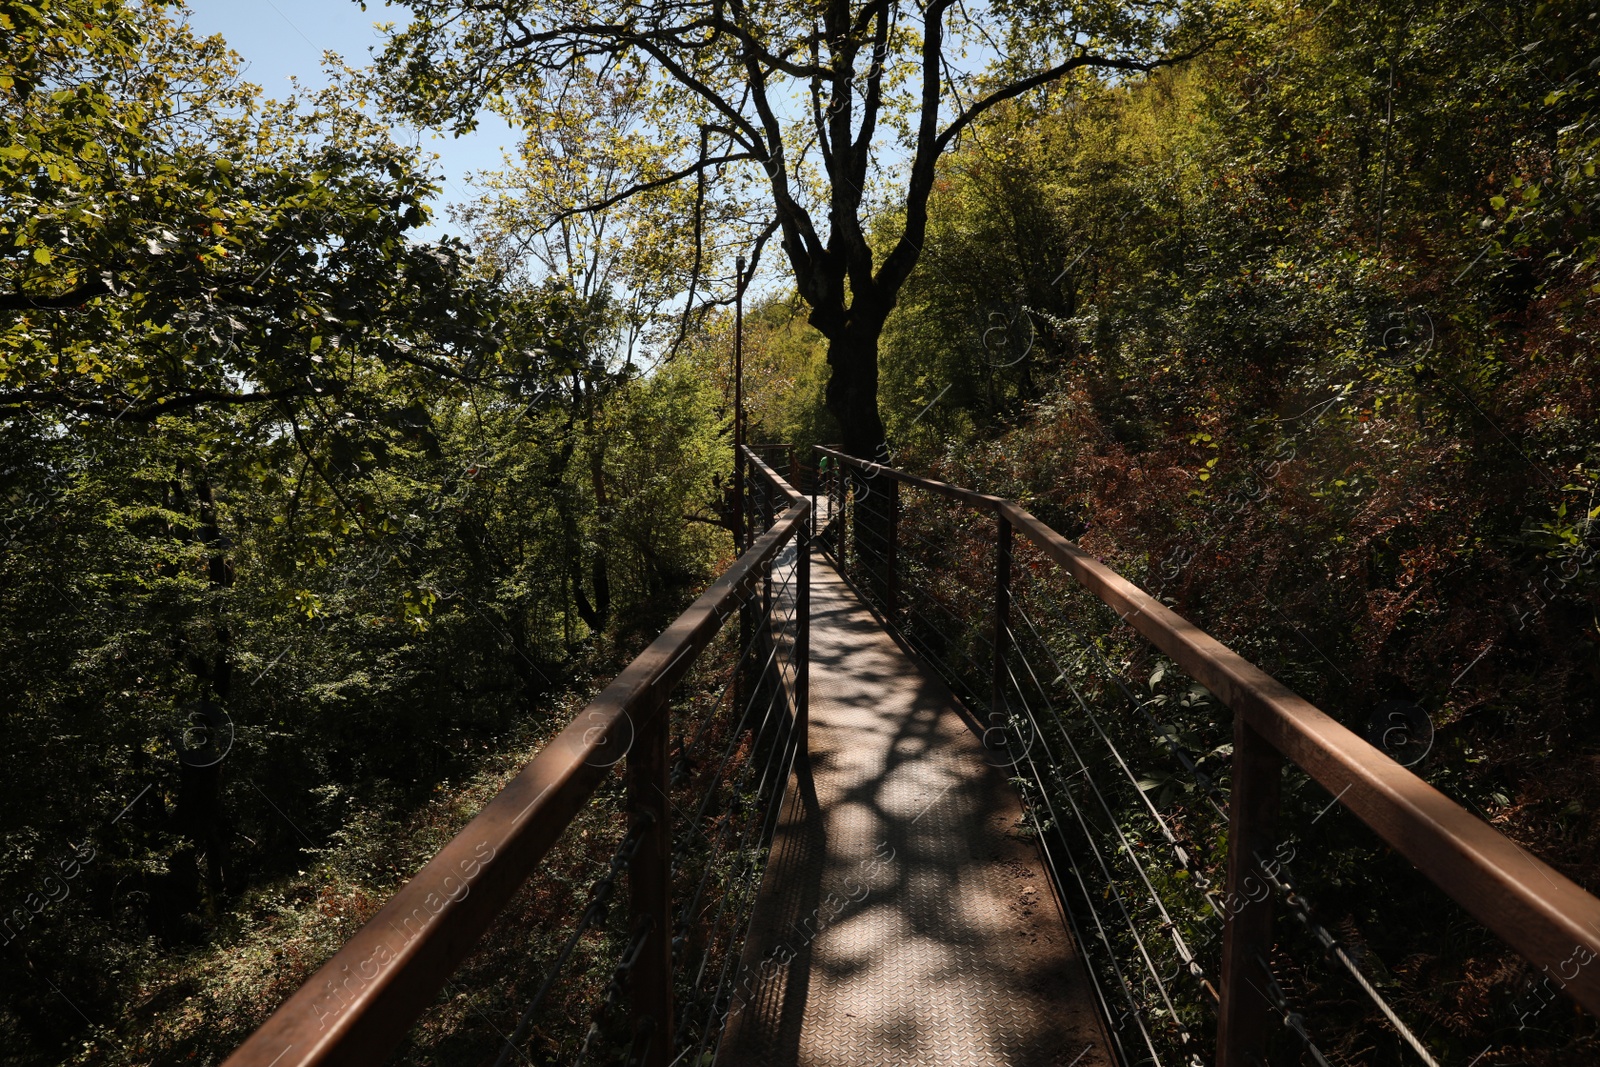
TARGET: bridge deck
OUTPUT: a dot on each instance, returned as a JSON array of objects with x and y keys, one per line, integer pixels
[{"x": 902, "y": 919}]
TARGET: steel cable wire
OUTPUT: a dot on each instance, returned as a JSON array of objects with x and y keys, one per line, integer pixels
[
  {"x": 958, "y": 646},
  {"x": 600, "y": 898},
  {"x": 931, "y": 657},
  {"x": 694, "y": 743},
  {"x": 599, "y": 901},
  {"x": 1111, "y": 955},
  {"x": 779, "y": 690},
  {"x": 788, "y": 749},
  {"x": 615, "y": 988},
  {"x": 1184, "y": 952},
  {"x": 784, "y": 757},
  {"x": 1136, "y": 1009},
  {"x": 693, "y": 901},
  {"x": 1293, "y": 1020},
  {"x": 1089, "y": 834},
  {"x": 1296, "y": 902},
  {"x": 1302, "y": 911},
  {"x": 1178, "y": 752},
  {"x": 1111, "y": 884},
  {"x": 739, "y": 729},
  {"x": 1187, "y": 861},
  {"x": 1275, "y": 995}
]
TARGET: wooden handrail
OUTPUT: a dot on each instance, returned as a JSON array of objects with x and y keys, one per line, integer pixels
[
  {"x": 359, "y": 1005},
  {"x": 1553, "y": 922},
  {"x": 1538, "y": 911},
  {"x": 945, "y": 489}
]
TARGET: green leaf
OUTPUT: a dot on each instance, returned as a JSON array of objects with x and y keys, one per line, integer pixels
[{"x": 42, "y": 256}]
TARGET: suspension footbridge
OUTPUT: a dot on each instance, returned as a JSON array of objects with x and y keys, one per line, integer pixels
[{"x": 890, "y": 799}]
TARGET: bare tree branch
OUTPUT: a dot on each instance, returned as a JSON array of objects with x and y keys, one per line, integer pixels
[
  {"x": 30, "y": 399},
  {"x": 1061, "y": 70},
  {"x": 698, "y": 167},
  {"x": 28, "y": 301}
]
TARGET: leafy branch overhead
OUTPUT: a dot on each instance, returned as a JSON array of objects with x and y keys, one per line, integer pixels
[{"x": 205, "y": 246}]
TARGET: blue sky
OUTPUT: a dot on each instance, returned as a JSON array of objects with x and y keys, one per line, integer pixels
[{"x": 280, "y": 39}]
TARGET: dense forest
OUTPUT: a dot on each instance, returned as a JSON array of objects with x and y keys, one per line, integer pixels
[{"x": 314, "y": 530}]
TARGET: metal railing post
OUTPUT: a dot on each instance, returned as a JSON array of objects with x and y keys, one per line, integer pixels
[
  {"x": 832, "y": 509},
  {"x": 766, "y": 572},
  {"x": 802, "y": 641},
  {"x": 1002, "y": 612},
  {"x": 891, "y": 565},
  {"x": 1245, "y": 1012},
  {"x": 650, "y": 891},
  {"x": 847, "y": 516},
  {"x": 816, "y": 477}
]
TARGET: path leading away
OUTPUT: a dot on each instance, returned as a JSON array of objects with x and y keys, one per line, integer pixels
[{"x": 902, "y": 919}]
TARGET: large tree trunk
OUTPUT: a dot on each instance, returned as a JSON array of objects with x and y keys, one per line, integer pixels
[
  {"x": 852, "y": 398},
  {"x": 852, "y": 394}
]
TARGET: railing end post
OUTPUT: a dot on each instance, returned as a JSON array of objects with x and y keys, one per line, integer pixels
[
  {"x": 802, "y": 642},
  {"x": 650, "y": 886},
  {"x": 1002, "y": 611},
  {"x": 1245, "y": 1012}
]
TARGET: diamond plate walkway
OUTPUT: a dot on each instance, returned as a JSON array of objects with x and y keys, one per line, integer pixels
[{"x": 901, "y": 919}]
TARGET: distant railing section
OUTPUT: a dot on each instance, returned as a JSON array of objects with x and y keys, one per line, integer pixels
[
  {"x": 701, "y": 801},
  {"x": 1138, "y": 786}
]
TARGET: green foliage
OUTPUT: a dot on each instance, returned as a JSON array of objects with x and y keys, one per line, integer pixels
[
  {"x": 302, "y": 517},
  {"x": 1300, "y": 336},
  {"x": 785, "y": 373}
]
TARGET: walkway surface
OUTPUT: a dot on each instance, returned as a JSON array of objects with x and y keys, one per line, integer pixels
[{"x": 902, "y": 918}]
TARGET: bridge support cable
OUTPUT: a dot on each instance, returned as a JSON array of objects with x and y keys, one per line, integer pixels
[
  {"x": 1190, "y": 962},
  {"x": 1185, "y": 858},
  {"x": 1178, "y": 752},
  {"x": 1293, "y": 1021},
  {"x": 719, "y": 1003},
  {"x": 771, "y": 732},
  {"x": 1114, "y": 893},
  {"x": 687, "y": 749},
  {"x": 1301, "y": 908},
  {"x": 763, "y": 726},
  {"x": 1135, "y": 1008},
  {"x": 773, "y": 742},
  {"x": 742, "y": 723},
  {"x": 620, "y": 982},
  {"x": 600, "y": 894},
  {"x": 755, "y": 837},
  {"x": 904, "y": 620},
  {"x": 1183, "y": 855},
  {"x": 915, "y": 636},
  {"x": 759, "y": 738}
]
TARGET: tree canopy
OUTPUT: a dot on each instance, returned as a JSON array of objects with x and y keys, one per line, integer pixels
[{"x": 821, "y": 115}]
